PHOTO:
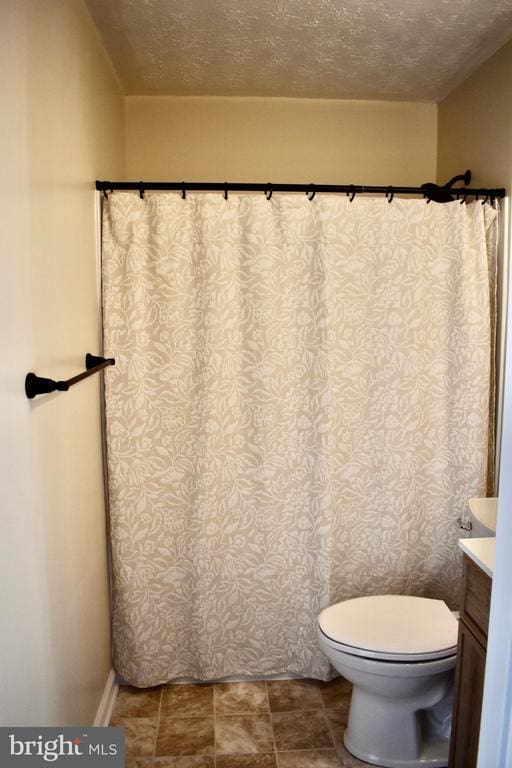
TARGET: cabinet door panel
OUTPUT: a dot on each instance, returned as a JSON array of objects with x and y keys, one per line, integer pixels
[
  {"x": 469, "y": 686},
  {"x": 477, "y": 595}
]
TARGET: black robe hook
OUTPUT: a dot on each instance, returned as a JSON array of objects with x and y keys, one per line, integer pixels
[{"x": 464, "y": 177}]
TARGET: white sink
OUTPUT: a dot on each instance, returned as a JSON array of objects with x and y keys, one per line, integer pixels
[{"x": 482, "y": 513}]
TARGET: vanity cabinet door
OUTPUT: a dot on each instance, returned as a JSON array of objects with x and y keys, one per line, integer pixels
[{"x": 469, "y": 687}]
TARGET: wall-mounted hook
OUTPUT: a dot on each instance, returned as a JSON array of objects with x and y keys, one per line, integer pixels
[{"x": 464, "y": 177}]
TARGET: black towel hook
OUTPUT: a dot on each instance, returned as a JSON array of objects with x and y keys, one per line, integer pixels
[
  {"x": 311, "y": 192},
  {"x": 268, "y": 192}
]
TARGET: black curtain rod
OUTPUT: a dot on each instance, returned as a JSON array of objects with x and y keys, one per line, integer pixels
[{"x": 429, "y": 190}]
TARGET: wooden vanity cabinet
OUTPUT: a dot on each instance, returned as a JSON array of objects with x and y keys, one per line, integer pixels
[{"x": 470, "y": 669}]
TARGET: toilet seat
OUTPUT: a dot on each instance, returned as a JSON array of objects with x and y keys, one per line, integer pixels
[{"x": 391, "y": 628}]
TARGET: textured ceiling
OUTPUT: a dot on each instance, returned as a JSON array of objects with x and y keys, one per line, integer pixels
[{"x": 414, "y": 50}]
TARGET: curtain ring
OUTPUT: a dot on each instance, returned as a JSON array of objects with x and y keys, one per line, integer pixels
[
  {"x": 485, "y": 200},
  {"x": 183, "y": 191},
  {"x": 463, "y": 199},
  {"x": 141, "y": 190},
  {"x": 390, "y": 194},
  {"x": 225, "y": 190},
  {"x": 311, "y": 192},
  {"x": 268, "y": 192},
  {"x": 351, "y": 193},
  {"x": 105, "y": 193}
]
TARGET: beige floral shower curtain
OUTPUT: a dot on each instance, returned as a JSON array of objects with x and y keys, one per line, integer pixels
[{"x": 298, "y": 414}]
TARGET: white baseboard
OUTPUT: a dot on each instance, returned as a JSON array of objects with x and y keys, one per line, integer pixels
[{"x": 107, "y": 702}]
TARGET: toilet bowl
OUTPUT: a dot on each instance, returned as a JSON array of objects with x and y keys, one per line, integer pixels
[{"x": 399, "y": 654}]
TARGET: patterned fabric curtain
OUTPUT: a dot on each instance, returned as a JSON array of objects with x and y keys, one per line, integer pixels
[{"x": 298, "y": 414}]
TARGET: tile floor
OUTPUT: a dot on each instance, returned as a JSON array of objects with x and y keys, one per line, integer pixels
[{"x": 274, "y": 724}]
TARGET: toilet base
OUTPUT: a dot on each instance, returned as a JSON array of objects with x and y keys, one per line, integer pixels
[
  {"x": 390, "y": 733},
  {"x": 434, "y": 755}
]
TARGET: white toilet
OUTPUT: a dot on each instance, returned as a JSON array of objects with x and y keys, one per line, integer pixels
[{"x": 399, "y": 654}]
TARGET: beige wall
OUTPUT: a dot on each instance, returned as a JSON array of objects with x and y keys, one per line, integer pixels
[
  {"x": 280, "y": 140},
  {"x": 475, "y": 131},
  {"x": 61, "y": 127},
  {"x": 475, "y": 125}
]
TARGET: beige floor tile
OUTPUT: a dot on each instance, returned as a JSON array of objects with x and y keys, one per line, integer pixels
[
  {"x": 309, "y": 758},
  {"x": 337, "y": 726},
  {"x": 137, "y": 702},
  {"x": 301, "y": 730},
  {"x": 337, "y": 717},
  {"x": 336, "y": 692},
  {"x": 240, "y": 698},
  {"x": 185, "y": 736},
  {"x": 189, "y": 761},
  {"x": 246, "y": 761},
  {"x": 139, "y": 735},
  {"x": 187, "y": 701},
  {"x": 242, "y": 734},
  {"x": 290, "y": 695}
]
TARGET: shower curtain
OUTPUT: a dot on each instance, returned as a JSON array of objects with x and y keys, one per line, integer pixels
[{"x": 298, "y": 414}]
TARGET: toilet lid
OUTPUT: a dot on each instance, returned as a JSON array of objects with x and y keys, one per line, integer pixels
[{"x": 391, "y": 627}]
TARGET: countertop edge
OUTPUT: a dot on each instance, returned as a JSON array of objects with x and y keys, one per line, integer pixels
[{"x": 481, "y": 551}]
